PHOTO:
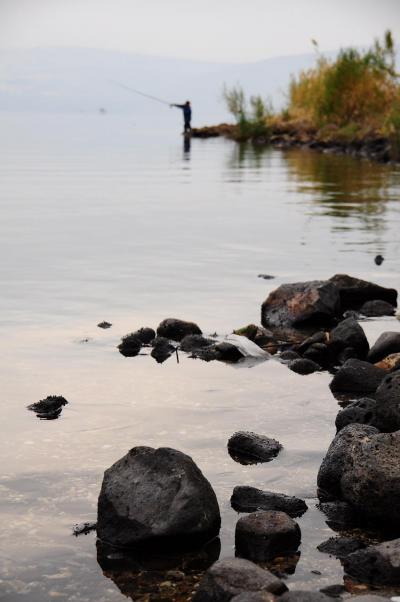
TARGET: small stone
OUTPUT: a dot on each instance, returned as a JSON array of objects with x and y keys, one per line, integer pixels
[
  {"x": 289, "y": 355},
  {"x": 379, "y": 259},
  {"x": 249, "y": 448},
  {"x": 162, "y": 349},
  {"x": 264, "y": 535},
  {"x": 83, "y": 528},
  {"x": 226, "y": 352},
  {"x": 193, "y": 342},
  {"x": 104, "y": 325},
  {"x": 145, "y": 335},
  {"x": 266, "y": 276},
  {"x": 48, "y": 408},
  {"x": 340, "y": 547},
  {"x": 250, "y": 499},
  {"x": 175, "y": 329},
  {"x": 130, "y": 345}
]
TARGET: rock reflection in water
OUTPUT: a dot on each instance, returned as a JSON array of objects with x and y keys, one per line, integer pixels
[{"x": 156, "y": 578}]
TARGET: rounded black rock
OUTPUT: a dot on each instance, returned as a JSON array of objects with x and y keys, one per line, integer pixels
[
  {"x": 156, "y": 497},
  {"x": 175, "y": 329},
  {"x": 130, "y": 345},
  {"x": 357, "y": 376},
  {"x": 145, "y": 335},
  {"x": 264, "y": 535},
  {"x": 249, "y": 448},
  {"x": 304, "y": 366},
  {"x": 251, "y": 499}
]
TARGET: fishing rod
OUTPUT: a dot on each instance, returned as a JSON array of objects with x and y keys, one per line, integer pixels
[{"x": 164, "y": 102}]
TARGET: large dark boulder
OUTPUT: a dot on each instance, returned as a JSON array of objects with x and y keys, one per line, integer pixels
[
  {"x": 249, "y": 448},
  {"x": 376, "y": 565},
  {"x": 310, "y": 303},
  {"x": 354, "y": 292},
  {"x": 349, "y": 334},
  {"x": 266, "y": 534},
  {"x": 155, "y": 497},
  {"x": 357, "y": 376},
  {"x": 233, "y": 576},
  {"x": 341, "y": 454},
  {"x": 250, "y": 499},
  {"x": 386, "y": 344},
  {"x": 175, "y": 329},
  {"x": 362, "y": 467}
]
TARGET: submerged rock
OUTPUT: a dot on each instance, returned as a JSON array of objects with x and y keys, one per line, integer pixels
[
  {"x": 130, "y": 345},
  {"x": 376, "y": 565},
  {"x": 300, "y": 304},
  {"x": 304, "y": 366},
  {"x": 233, "y": 576},
  {"x": 175, "y": 329},
  {"x": 266, "y": 534},
  {"x": 49, "y": 408},
  {"x": 250, "y": 448},
  {"x": 156, "y": 497},
  {"x": 250, "y": 499},
  {"x": 357, "y": 376},
  {"x": 387, "y": 343}
]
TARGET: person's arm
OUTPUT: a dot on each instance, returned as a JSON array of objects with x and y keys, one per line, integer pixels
[{"x": 178, "y": 106}]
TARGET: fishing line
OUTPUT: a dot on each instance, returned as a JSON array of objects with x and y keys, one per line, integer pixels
[{"x": 164, "y": 102}]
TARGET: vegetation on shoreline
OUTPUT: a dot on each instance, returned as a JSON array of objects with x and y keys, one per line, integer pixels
[{"x": 354, "y": 98}]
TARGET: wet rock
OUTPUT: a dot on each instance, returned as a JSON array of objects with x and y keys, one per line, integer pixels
[
  {"x": 379, "y": 259},
  {"x": 145, "y": 335},
  {"x": 175, "y": 329},
  {"x": 387, "y": 343},
  {"x": 340, "y": 515},
  {"x": 130, "y": 345},
  {"x": 83, "y": 528},
  {"x": 193, "y": 342},
  {"x": 104, "y": 325},
  {"x": 266, "y": 534},
  {"x": 320, "y": 354},
  {"x": 304, "y": 596},
  {"x": 254, "y": 597},
  {"x": 162, "y": 349},
  {"x": 249, "y": 448},
  {"x": 250, "y": 499},
  {"x": 227, "y": 352},
  {"x": 376, "y": 565},
  {"x": 349, "y": 334},
  {"x": 377, "y": 308},
  {"x": 304, "y": 366},
  {"x": 289, "y": 355},
  {"x": 388, "y": 402},
  {"x": 390, "y": 363},
  {"x": 304, "y": 303},
  {"x": 233, "y": 576},
  {"x": 340, "y": 456},
  {"x": 266, "y": 276},
  {"x": 354, "y": 292},
  {"x": 371, "y": 483},
  {"x": 155, "y": 497},
  {"x": 260, "y": 336},
  {"x": 318, "y": 337},
  {"x": 357, "y": 376},
  {"x": 340, "y": 547},
  {"x": 360, "y": 411},
  {"x": 49, "y": 408}
]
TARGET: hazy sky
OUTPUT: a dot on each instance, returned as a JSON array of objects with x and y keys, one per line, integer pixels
[{"x": 220, "y": 30}]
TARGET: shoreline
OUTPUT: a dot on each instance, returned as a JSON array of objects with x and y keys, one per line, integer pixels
[{"x": 281, "y": 136}]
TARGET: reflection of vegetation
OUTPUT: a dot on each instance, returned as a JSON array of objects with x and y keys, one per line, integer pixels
[
  {"x": 245, "y": 155},
  {"x": 342, "y": 186}
]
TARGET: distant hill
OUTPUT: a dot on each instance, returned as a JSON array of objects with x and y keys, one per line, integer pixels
[{"x": 78, "y": 80}]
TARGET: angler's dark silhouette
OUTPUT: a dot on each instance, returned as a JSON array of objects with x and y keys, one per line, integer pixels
[{"x": 187, "y": 115}]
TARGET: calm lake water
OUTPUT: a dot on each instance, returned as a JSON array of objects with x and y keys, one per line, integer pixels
[{"x": 101, "y": 220}]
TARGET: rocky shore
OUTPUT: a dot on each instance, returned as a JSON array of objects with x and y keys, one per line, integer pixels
[
  {"x": 158, "y": 517},
  {"x": 286, "y": 136}
]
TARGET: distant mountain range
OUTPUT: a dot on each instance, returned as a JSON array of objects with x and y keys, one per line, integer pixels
[{"x": 80, "y": 80}]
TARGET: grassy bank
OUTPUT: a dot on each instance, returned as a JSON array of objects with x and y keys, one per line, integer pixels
[{"x": 350, "y": 102}]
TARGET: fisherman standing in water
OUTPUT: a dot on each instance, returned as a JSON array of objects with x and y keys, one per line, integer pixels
[{"x": 187, "y": 115}]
